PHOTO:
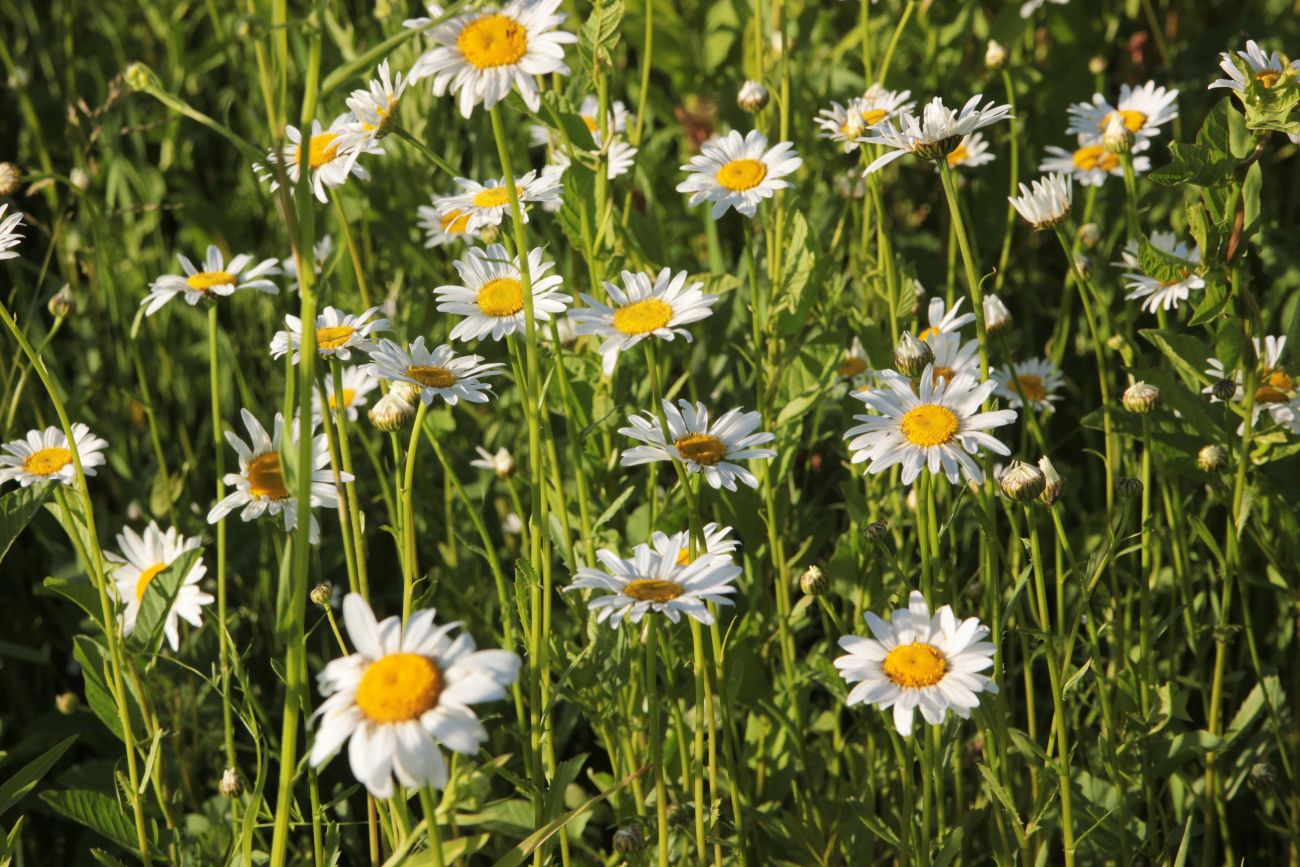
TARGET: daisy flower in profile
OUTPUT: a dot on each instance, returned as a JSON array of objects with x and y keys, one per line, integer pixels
[
  {"x": 1275, "y": 391},
  {"x": 943, "y": 320},
  {"x": 332, "y": 157},
  {"x": 438, "y": 373},
  {"x": 640, "y": 309},
  {"x": 918, "y": 661},
  {"x": 1158, "y": 294},
  {"x": 487, "y": 204},
  {"x": 659, "y": 582},
  {"x": 1267, "y": 69},
  {"x": 43, "y": 455},
  {"x": 1034, "y": 381},
  {"x": 935, "y": 134},
  {"x": 215, "y": 279},
  {"x": 405, "y": 693},
  {"x": 444, "y": 228},
  {"x": 971, "y": 152},
  {"x": 260, "y": 487},
  {"x": 711, "y": 449},
  {"x": 357, "y": 385},
  {"x": 938, "y": 427},
  {"x": 337, "y": 334},
  {"x": 482, "y": 56},
  {"x": 500, "y": 462},
  {"x": 1046, "y": 203},
  {"x": 1090, "y": 163},
  {"x": 143, "y": 557},
  {"x": 374, "y": 110},
  {"x": 491, "y": 293},
  {"x": 736, "y": 171},
  {"x": 678, "y": 545},
  {"x": 320, "y": 255},
  {"x": 9, "y": 235},
  {"x": 1143, "y": 110},
  {"x": 952, "y": 357}
]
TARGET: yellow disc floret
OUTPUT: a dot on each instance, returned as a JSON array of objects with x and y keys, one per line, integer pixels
[{"x": 399, "y": 687}]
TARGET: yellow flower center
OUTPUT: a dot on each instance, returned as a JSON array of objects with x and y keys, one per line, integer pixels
[
  {"x": 1133, "y": 120},
  {"x": 399, "y": 687},
  {"x": 205, "y": 280},
  {"x": 321, "y": 150},
  {"x": 47, "y": 462},
  {"x": 496, "y": 197},
  {"x": 874, "y": 116},
  {"x": 927, "y": 333},
  {"x": 652, "y": 590},
  {"x": 266, "y": 477},
  {"x": 431, "y": 376},
  {"x": 493, "y": 40},
  {"x": 592, "y": 125},
  {"x": 851, "y": 367},
  {"x": 704, "y": 449},
  {"x": 383, "y": 116},
  {"x": 958, "y": 155},
  {"x": 349, "y": 394},
  {"x": 503, "y": 296},
  {"x": 741, "y": 175},
  {"x": 1268, "y": 77},
  {"x": 454, "y": 222},
  {"x": 642, "y": 317},
  {"x": 915, "y": 665},
  {"x": 929, "y": 425},
  {"x": 1095, "y": 156},
  {"x": 1032, "y": 386},
  {"x": 942, "y": 375},
  {"x": 1275, "y": 387},
  {"x": 145, "y": 577},
  {"x": 333, "y": 336},
  {"x": 684, "y": 557}
]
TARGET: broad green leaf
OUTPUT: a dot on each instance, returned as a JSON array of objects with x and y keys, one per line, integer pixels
[
  {"x": 17, "y": 786},
  {"x": 99, "y": 812},
  {"x": 80, "y": 592},
  {"x": 17, "y": 508},
  {"x": 159, "y": 595},
  {"x": 598, "y": 36},
  {"x": 1195, "y": 164}
]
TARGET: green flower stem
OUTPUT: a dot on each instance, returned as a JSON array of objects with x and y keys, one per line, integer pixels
[
  {"x": 968, "y": 262},
  {"x": 223, "y": 635},
  {"x": 654, "y": 735},
  {"x": 420, "y": 146},
  {"x": 353, "y": 252},
  {"x": 430, "y": 805},
  {"x": 350, "y": 487},
  {"x": 349, "y": 550},
  {"x": 410, "y": 558},
  {"x": 1130, "y": 198},
  {"x": 1014, "y": 161},
  {"x": 908, "y": 809},
  {"x": 893, "y": 41}
]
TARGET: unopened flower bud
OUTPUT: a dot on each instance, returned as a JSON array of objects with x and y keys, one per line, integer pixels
[
  {"x": 1117, "y": 137},
  {"x": 1141, "y": 398},
  {"x": 67, "y": 703},
  {"x": 1128, "y": 487},
  {"x": 912, "y": 355},
  {"x": 1262, "y": 776},
  {"x": 391, "y": 412},
  {"x": 1097, "y": 64},
  {"x": 1022, "y": 482},
  {"x": 1212, "y": 458},
  {"x": 1224, "y": 389},
  {"x": 876, "y": 531},
  {"x": 62, "y": 303},
  {"x": 813, "y": 581},
  {"x": 1083, "y": 264},
  {"x": 753, "y": 97},
  {"x": 629, "y": 839},
  {"x": 995, "y": 55},
  {"x": 11, "y": 178},
  {"x": 996, "y": 315},
  {"x": 138, "y": 76},
  {"x": 321, "y": 593},
  {"x": 1090, "y": 235},
  {"x": 1053, "y": 484},
  {"x": 489, "y": 234},
  {"x": 231, "y": 785},
  {"x": 80, "y": 179}
]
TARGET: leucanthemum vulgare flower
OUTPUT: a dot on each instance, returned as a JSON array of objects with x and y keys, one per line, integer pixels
[
  {"x": 444, "y": 228},
  {"x": 971, "y": 152},
  {"x": 933, "y": 135},
  {"x": 1267, "y": 69},
  {"x": 1034, "y": 381},
  {"x": 1275, "y": 389},
  {"x": 260, "y": 487},
  {"x": 943, "y": 320},
  {"x": 491, "y": 293},
  {"x": 143, "y": 557},
  {"x": 712, "y": 449},
  {"x": 332, "y": 157},
  {"x": 1143, "y": 109},
  {"x": 917, "y": 661},
  {"x": 736, "y": 171},
  {"x": 402, "y": 694},
  {"x": 487, "y": 204},
  {"x": 855, "y": 368},
  {"x": 640, "y": 309},
  {"x": 1090, "y": 163},
  {"x": 320, "y": 255},
  {"x": 214, "y": 280},
  {"x": 659, "y": 582},
  {"x": 1156, "y": 293},
  {"x": 438, "y": 373},
  {"x": 846, "y": 123},
  {"x": 357, "y": 385},
  {"x": 938, "y": 427},
  {"x": 374, "y": 109},
  {"x": 1046, "y": 203},
  {"x": 953, "y": 357},
  {"x": 337, "y": 334},
  {"x": 618, "y": 157},
  {"x": 716, "y": 544},
  {"x": 9, "y": 235},
  {"x": 43, "y": 455},
  {"x": 481, "y": 56}
]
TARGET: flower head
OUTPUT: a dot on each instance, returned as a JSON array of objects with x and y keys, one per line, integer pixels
[
  {"x": 143, "y": 558},
  {"x": 936, "y": 133},
  {"x": 332, "y": 156},
  {"x": 43, "y": 455},
  {"x": 9, "y": 235},
  {"x": 1046, "y": 203},
  {"x": 1090, "y": 163},
  {"x": 737, "y": 171},
  {"x": 1034, "y": 382},
  {"x": 357, "y": 385},
  {"x": 490, "y": 295},
  {"x": 437, "y": 373},
  {"x": 1267, "y": 69},
  {"x": 1143, "y": 109},
  {"x": 337, "y": 334},
  {"x": 712, "y": 449},
  {"x": 216, "y": 279},
  {"x": 1155, "y": 293},
  {"x": 483, "y": 205},
  {"x": 374, "y": 110}
]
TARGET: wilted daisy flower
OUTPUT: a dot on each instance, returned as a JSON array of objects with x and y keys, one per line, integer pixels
[
  {"x": 736, "y": 171},
  {"x": 337, "y": 334},
  {"x": 260, "y": 487},
  {"x": 44, "y": 455},
  {"x": 1267, "y": 69},
  {"x": 320, "y": 255},
  {"x": 1275, "y": 388},
  {"x": 918, "y": 661},
  {"x": 678, "y": 545},
  {"x": 440, "y": 229},
  {"x": 711, "y": 449},
  {"x": 481, "y": 56},
  {"x": 332, "y": 157},
  {"x": 1143, "y": 109},
  {"x": 937, "y": 427},
  {"x": 1047, "y": 203},
  {"x": 499, "y": 462},
  {"x": 935, "y": 134},
  {"x": 142, "y": 559},
  {"x": 657, "y": 581},
  {"x": 944, "y": 321},
  {"x": 9, "y": 235},
  {"x": 438, "y": 373},
  {"x": 491, "y": 293},
  {"x": 952, "y": 357},
  {"x": 216, "y": 279},
  {"x": 374, "y": 110},
  {"x": 1090, "y": 163},
  {"x": 1161, "y": 294},
  {"x": 640, "y": 309},
  {"x": 487, "y": 204},
  {"x": 970, "y": 153},
  {"x": 357, "y": 385},
  {"x": 405, "y": 691},
  {"x": 1037, "y": 379}
]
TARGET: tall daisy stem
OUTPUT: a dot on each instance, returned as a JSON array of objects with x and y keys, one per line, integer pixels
[
  {"x": 430, "y": 805},
  {"x": 409, "y": 559},
  {"x": 223, "y": 637},
  {"x": 340, "y": 412},
  {"x": 968, "y": 262},
  {"x": 1130, "y": 198},
  {"x": 655, "y": 735}
]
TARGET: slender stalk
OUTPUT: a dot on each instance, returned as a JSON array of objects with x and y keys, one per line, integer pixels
[
  {"x": 340, "y": 412},
  {"x": 223, "y": 635},
  {"x": 654, "y": 735}
]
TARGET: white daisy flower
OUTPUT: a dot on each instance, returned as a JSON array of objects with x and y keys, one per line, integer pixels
[
  {"x": 405, "y": 692},
  {"x": 1267, "y": 69},
  {"x": 656, "y": 581},
  {"x": 439, "y": 373},
  {"x": 320, "y": 255},
  {"x": 440, "y": 229},
  {"x": 491, "y": 293},
  {"x": 736, "y": 171},
  {"x": 1037, "y": 379},
  {"x": 846, "y": 123},
  {"x": 142, "y": 558},
  {"x": 9, "y": 234},
  {"x": 1045, "y": 204},
  {"x": 374, "y": 110},
  {"x": 640, "y": 309},
  {"x": 918, "y": 661},
  {"x": 44, "y": 455},
  {"x": 855, "y": 369},
  {"x": 1276, "y": 389},
  {"x": 501, "y": 462},
  {"x": 487, "y": 204},
  {"x": 678, "y": 545},
  {"x": 1166, "y": 295},
  {"x": 938, "y": 427},
  {"x": 935, "y": 134},
  {"x": 1143, "y": 109},
  {"x": 971, "y": 152},
  {"x": 260, "y": 487},
  {"x": 1090, "y": 163},
  {"x": 481, "y": 56},
  {"x": 618, "y": 157},
  {"x": 952, "y": 357},
  {"x": 357, "y": 384},
  {"x": 944, "y": 321},
  {"x": 1029, "y": 7},
  {"x": 332, "y": 157},
  {"x": 711, "y": 449},
  {"x": 216, "y": 279},
  {"x": 337, "y": 334}
]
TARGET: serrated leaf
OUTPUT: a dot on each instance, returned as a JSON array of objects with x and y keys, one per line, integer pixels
[
  {"x": 1195, "y": 164},
  {"x": 159, "y": 596},
  {"x": 97, "y": 811},
  {"x": 1188, "y": 354},
  {"x": 19, "y": 784},
  {"x": 1000, "y": 793},
  {"x": 17, "y": 508},
  {"x": 599, "y": 35}
]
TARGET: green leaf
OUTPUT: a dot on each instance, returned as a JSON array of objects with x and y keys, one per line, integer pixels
[
  {"x": 565, "y": 774},
  {"x": 80, "y": 592},
  {"x": 598, "y": 36},
  {"x": 97, "y": 811},
  {"x": 1188, "y": 354},
  {"x": 1195, "y": 164},
  {"x": 21, "y": 783},
  {"x": 1160, "y": 265},
  {"x": 17, "y": 508},
  {"x": 159, "y": 595},
  {"x": 1000, "y": 793},
  {"x": 614, "y": 508}
]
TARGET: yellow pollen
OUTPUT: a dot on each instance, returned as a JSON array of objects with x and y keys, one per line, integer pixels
[
  {"x": 652, "y": 590},
  {"x": 958, "y": 155},
  {"x": 929, "y": 425},
  {"x": 874, "y": 116},
  {"x": 431, "y": 376},
  {"x": 321, "y": 150},
  {"x": 1032, "y": 386},
  {"x": 349, "y": 394},
  {"x": 503, "y": 296},
  {"x": 454, "y": 222},
  {"x": 145, "y": 577},
  {"x": 851, "y": 367},
  {"x": 741, "y": 175},
  {"x": 704, "y": 449},
  {"x": 1093, "y": 157},
  {"x": 266, "y": 477},
  {"x": 333, "y": 336},
  {"x": 496, "y": 197},
  {"x": 205, "y": 280},
  {"x": 915, "y": 665},
  {"x": 942, "y": 375},
  {"x": 47, "y": 462},
  {"x": 1268, "y": 77},
  {"x": 1133, "y": 120},
  {"x": 643, "y": 317},
  {"x": 399, "y": 687},
  {"x": 493, "y": 40}
]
